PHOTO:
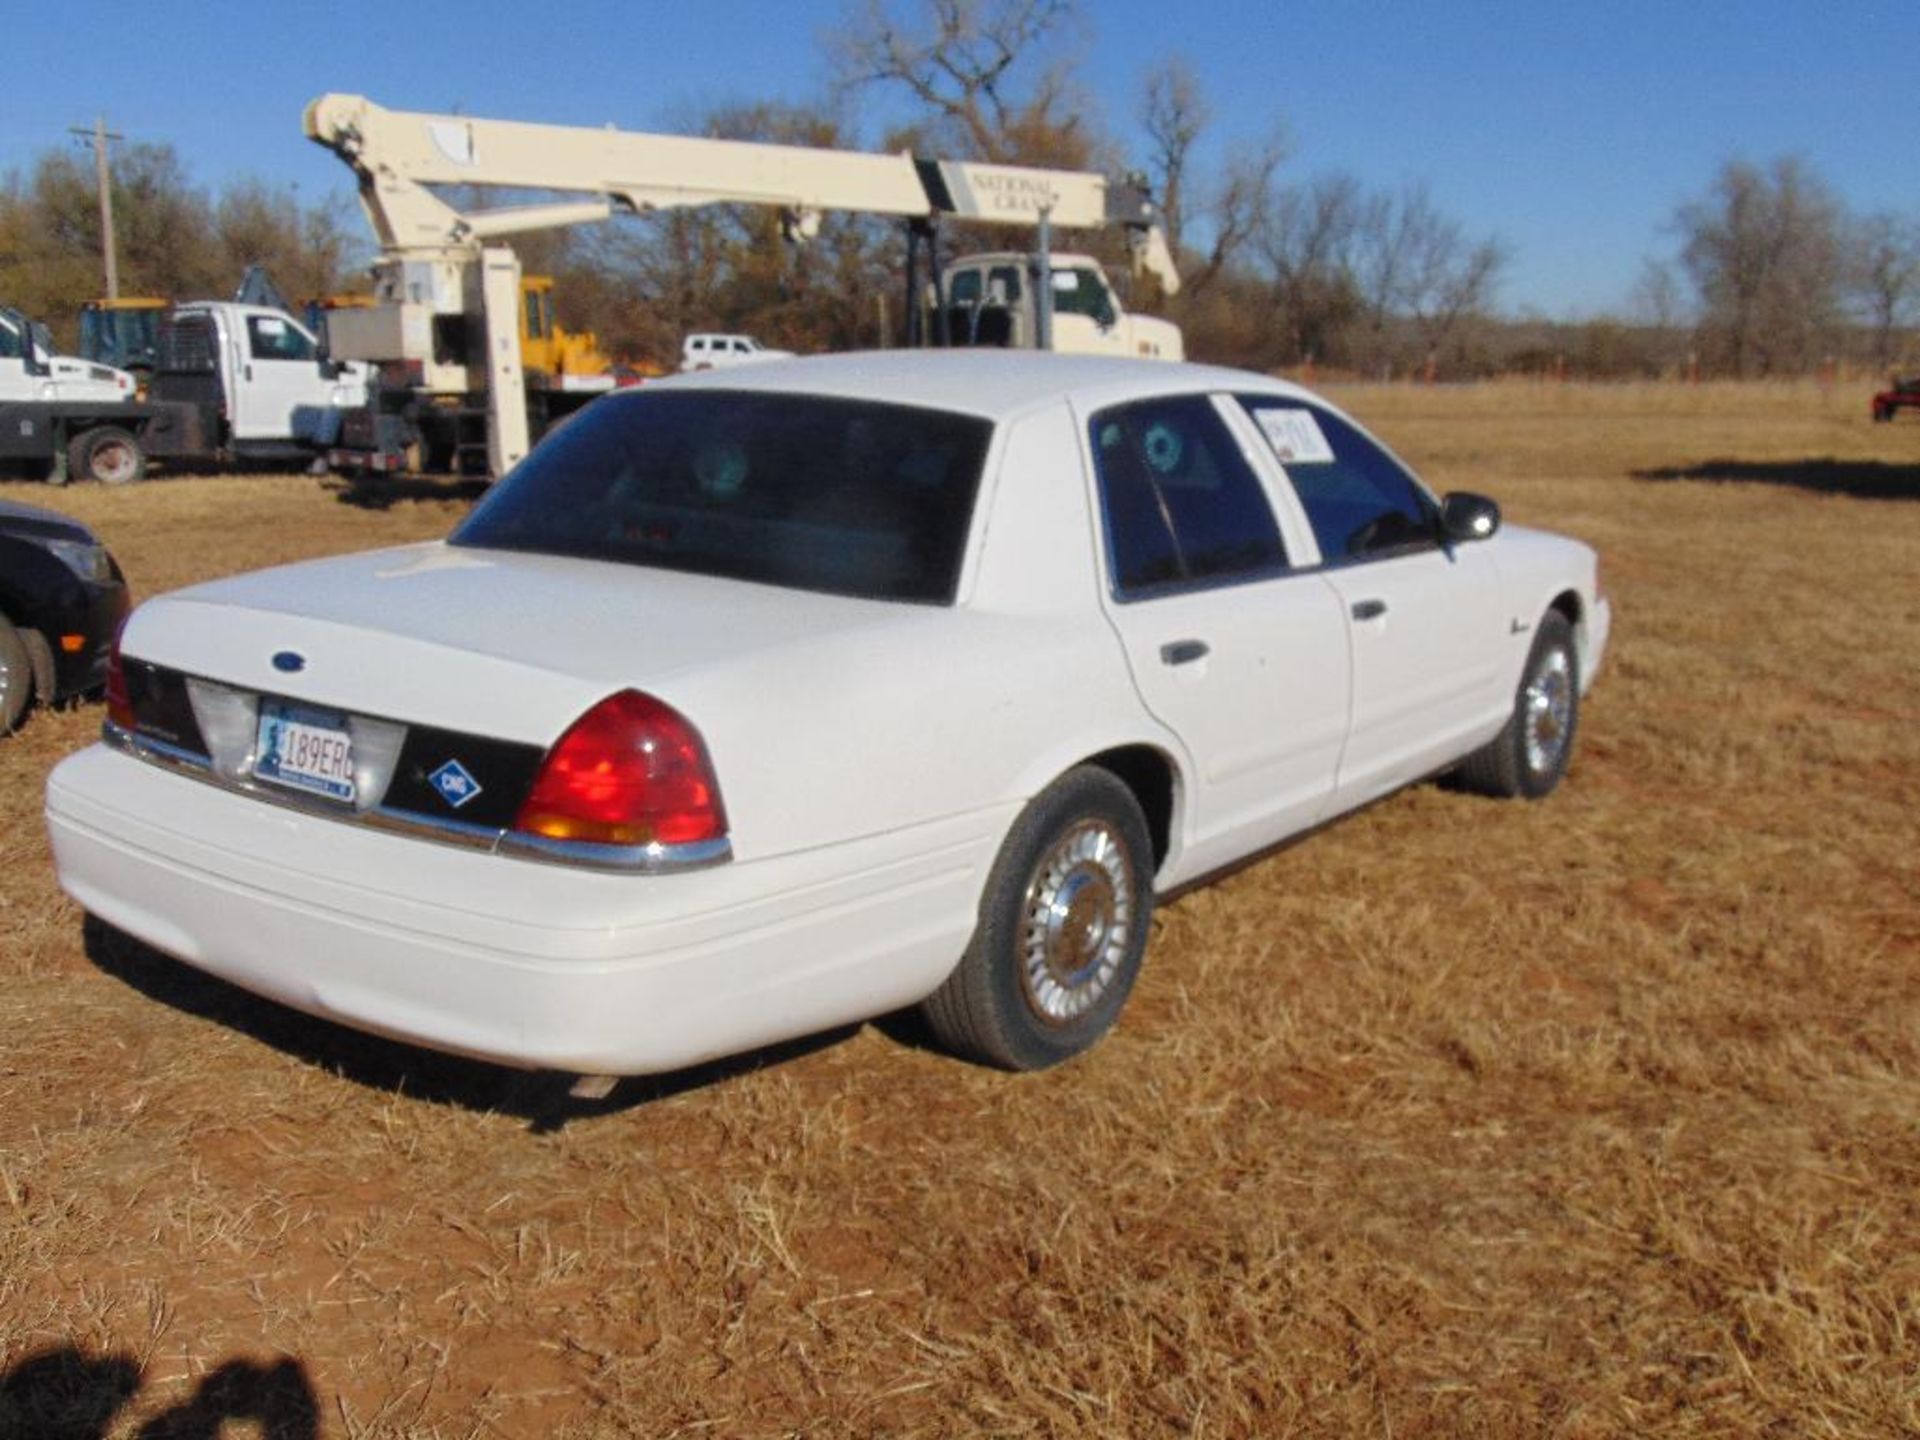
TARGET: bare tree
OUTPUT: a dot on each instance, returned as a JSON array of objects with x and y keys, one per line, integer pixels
[
  {"x": 1656, "y": 299},
  {"x": 979, "y": 68},
  {"x": 1763, "y": 250},
  {"x": 307, "y": 251},
  {"x": 1413, "y": 262},
  {"x": 1883, "y": 276},
  {"x": 1307, "y": 240},
  {"x": 1175, "y": 114},
  {"x": 1236, "y": 206},
  {"x": 1657, "y": 303},
  {"x": 1451, "y": 279},
  {"x": 1382, "y": 256}
]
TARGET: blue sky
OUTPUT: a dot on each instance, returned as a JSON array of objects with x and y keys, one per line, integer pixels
[{"x": 1571, "y": 131}]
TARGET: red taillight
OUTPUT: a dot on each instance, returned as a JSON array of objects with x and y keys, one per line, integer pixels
[
  {"x": 119, "y": 702},
  {"x": 631, "y": 771}
]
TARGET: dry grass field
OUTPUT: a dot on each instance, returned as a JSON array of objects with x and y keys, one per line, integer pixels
[{"x": 1594, "y": 1117}]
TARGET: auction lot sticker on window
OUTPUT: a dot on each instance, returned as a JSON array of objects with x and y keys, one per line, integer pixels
[{"x": 1295, "y": 435}]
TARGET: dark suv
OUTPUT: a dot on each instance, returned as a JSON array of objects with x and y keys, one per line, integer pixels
[{"x": 62, "y": 597}]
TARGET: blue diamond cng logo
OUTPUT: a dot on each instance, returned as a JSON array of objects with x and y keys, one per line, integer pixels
[{"x": 455, "y": 783}]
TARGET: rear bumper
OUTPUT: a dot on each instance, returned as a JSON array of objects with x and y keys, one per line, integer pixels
[{"x": 524, "y": 964}]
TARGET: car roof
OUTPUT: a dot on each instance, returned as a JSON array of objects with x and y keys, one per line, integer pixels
[{"x": 996, "y": 384}]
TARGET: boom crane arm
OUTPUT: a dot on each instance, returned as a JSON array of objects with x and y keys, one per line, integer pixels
[
  {"x": 397, "y": 155},
  {"x": 436, "y": 274}
]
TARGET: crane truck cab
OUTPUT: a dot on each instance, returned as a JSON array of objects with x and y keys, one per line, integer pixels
[
  {"x": 262, "y": 382},
  {"x": 990, "y": 302},
  {"x": 31, "y": 368}
]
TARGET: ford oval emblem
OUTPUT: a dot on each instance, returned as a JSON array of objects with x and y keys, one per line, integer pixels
[{"x": 289, "y": 662}]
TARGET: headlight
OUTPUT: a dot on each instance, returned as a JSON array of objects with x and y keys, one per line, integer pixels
[{"x": 85, "y": 559}]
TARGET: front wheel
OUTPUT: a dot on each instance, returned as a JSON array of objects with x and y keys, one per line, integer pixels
[
  {"x": 16, "y": 677},
  {"x": 1063, "y": 925},
  {"x": 1530, "y": 754}
]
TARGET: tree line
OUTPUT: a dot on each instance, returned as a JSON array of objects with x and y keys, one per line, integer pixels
[
  {"x": 1770, "y": 273},
  {"x": 174, "y": 239}
]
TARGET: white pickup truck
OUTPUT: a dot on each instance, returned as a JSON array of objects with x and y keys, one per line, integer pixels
[
  {"x": 232, "y": 383},
  {"x": 31, "y": 369}
]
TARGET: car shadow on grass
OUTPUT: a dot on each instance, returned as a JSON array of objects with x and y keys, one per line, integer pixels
[
  {"x": 382, "y": 492},
  {"x": 540, "y": 1097},
  {"x": 1861, "y": 479},
  {"x": 65, "y": 1393}
]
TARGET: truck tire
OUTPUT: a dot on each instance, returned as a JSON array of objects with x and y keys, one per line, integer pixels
[
  {"x": 16, "y": 677},
  {"x": 107, "y": 454}
]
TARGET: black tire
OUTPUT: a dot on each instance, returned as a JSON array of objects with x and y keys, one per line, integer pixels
[
  {"x": 1883, "y": 413},
  {"x": 1028, "y": 994},
  {"x": 16, "y": 677},
  {"x": 1530, "y": 754},
  {"x": 107, "y": 454}
]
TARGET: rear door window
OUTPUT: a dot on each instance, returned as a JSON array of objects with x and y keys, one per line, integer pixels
[{"x": 1182, "y": 507}]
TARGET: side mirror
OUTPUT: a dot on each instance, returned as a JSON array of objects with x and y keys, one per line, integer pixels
[{"x": 1465, "y": 516}]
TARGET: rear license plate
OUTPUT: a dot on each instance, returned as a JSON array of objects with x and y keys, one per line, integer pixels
[{"x": 305, "y": 749}]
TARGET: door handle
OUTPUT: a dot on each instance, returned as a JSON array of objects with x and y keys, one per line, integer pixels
[
  {"x": 1369, "y": 609},
  {"x": 1183, "y": 652}
]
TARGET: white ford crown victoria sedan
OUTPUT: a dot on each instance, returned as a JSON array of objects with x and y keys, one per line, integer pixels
[{"x": 757, "y": 702}]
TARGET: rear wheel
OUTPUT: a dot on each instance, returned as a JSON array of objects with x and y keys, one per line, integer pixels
[
  {"x": 1063, "y": 925},
  {"x": 1530, "y": 754},
  {"x": 16, "y": 677},
  {"x": 107, "y": 454}
]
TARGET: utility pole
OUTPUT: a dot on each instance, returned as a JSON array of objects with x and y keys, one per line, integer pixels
[{"x": 103, "y": 177}]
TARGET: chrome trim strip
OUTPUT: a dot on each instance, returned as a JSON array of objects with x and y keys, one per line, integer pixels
[
  {"x": 427, "y": 827},
  {"x": 575, "y": 854},
  {"x": 174, "y": 757},
  {"x": 644, "y": 859}
]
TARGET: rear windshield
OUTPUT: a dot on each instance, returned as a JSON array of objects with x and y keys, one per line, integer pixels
[{"x": 845, "y": 496}]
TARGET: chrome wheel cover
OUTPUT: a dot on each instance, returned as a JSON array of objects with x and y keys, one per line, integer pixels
[
  {"x": 1548, "y": 706},
  {"x": 1076, "y": 923},
  {"x": 114, "y": 462}
]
